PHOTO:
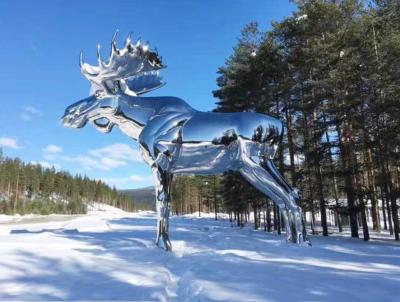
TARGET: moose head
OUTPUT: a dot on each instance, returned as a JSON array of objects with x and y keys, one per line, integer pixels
[
  {"x": 132, "y": 70},
  {"x": 93, "y": 109}
]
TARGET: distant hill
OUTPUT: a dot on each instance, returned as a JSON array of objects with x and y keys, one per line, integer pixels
[
  {"x": 144, "y": 196},
  {"x": 30, "y": 188}
]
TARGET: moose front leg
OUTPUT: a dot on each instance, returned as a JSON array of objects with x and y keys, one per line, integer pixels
[{"x": 163, "y": 182}]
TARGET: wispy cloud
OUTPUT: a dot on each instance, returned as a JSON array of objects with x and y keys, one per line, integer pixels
[
  {"x": 117, "y": 151},
  {"x": 89, "y": 163},
  {"x": 33, "y": 46},
  {"x": 29, "y": 112},
  {"x": 46, "y": 164},
  {"x": 106, "y": 158},
  {"x": 124, "y": 181},
  {"x": 9, "y": 142},
  {"x": 52, "y": 149}
]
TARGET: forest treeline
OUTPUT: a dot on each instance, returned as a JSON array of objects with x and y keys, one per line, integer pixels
[
  {"x": 331, "y": 73},
  {"x": 31, "y": 188}
]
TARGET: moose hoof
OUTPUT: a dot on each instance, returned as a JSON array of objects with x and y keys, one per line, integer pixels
[
  {"x": 167, "y": 244},
  {"x": 303, "y": 240}
]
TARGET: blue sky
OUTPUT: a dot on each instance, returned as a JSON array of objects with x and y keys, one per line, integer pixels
[{"x": 40, "y": 44}]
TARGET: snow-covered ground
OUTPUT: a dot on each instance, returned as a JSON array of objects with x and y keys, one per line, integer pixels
[{"x": 110, "y": 255}]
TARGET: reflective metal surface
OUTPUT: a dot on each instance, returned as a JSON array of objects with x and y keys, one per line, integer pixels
[{"x": 174, "y": 138}]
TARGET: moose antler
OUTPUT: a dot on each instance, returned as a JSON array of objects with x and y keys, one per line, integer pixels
[{"x": 134, "y": 69}]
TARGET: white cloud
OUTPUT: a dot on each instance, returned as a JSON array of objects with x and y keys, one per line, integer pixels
[
  {"x": 110, "y": 163},
  {"x": 106, "y": 158},
  {"x": 117, "y": 151},
  {"x": 135, "y": 177},
  {"x": 121, "y": 182},
  {"x": 25, "y": 117},
  {"x": 9, "y": 142},
  {"x": 46, "y": 164},
  {"x": 31, "y": 110},
  {"x": 28, "y": 112},
  {"x": 52, "y": 149},
  {"x": 87, "y": 162}
]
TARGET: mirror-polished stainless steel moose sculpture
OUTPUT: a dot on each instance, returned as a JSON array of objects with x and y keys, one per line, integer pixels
[{"x": 174, "y": 138}]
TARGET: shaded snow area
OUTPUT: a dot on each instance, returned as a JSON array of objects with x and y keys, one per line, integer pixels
[{"x": 110, "y": 255}]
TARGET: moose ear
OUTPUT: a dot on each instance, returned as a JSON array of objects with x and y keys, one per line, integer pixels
[
  {"x": 144, "y": 83},
  {"x": 95, "y": 89},
  {"x": 125, "y": 88}
]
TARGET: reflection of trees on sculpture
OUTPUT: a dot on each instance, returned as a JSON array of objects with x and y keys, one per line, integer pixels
[{"x": 176, "y": 139}]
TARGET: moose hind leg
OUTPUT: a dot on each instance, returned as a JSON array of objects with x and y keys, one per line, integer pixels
[
  {"x": 267, "y": 183},
  {"x": 163, "y": 182},
  {"x": 293, "y": 225},
  {"x": 295, "y": 215}
]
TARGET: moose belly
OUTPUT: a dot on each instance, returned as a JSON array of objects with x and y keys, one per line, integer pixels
[{"x": 205, "y": 158}]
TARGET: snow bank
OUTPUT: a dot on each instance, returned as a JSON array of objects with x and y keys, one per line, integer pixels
[
  {"x": 95, "y": 208},
  {"x": 110, "y": 255},
  {"x": 196, "y": 215}
]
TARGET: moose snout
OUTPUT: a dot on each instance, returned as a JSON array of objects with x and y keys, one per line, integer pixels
[
  {"x": 75, "y": 115},
  {"x": 66, "y": 121},
  {"x": 72, "y": 120}
]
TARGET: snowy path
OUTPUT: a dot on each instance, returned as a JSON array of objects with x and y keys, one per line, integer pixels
[{"x": 112, "y": 257}]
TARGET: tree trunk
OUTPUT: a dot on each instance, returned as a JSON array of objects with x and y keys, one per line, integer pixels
[
  {"x": 394, "y": 208},
  {"x": 349, "y": 186},
  {"x": 395, "y": 215},
  {"x": 322, "y": 205},
  {"x": 255, "y": 214},
  {"x": 291, "y": 145},
  {"x": 332, "y": 169},
  {"x": 360, "y": 200},
  {"x": 16, "y": 195},
  {"x": 199, "y": 201},
  {"x": 313, "y": 221},
  {"x": 9, "y": 192},
  {"x": 372, "y": 192},
  {"x": 387, "y": 197},
  {"x": 278, "y": 220},
  {"x": 215, "y": 198},
  {"x": 268, "y": 213},
  {"x": 383, "y": 210}
]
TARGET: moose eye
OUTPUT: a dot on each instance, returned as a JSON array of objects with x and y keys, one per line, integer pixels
[{"x": 102, "y": 122}]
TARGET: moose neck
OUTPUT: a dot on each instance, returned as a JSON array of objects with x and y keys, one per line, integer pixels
[
  {"x": 134, "y": 113},
  {"x": 131, "y": 118}
]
